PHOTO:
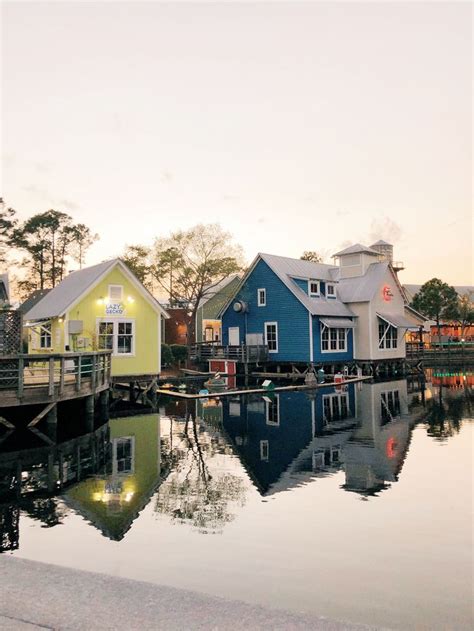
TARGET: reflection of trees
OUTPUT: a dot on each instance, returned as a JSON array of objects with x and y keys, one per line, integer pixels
[
  {"x": 196, "y": 492},
  {"x": 444, "y": 413},
  {"x": 44, "y": 509}
]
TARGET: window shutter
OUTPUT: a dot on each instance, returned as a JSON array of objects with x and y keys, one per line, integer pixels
[{"x": 115, "y": 293}]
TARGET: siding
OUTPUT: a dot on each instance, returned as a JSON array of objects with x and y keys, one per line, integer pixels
[
  {"x": 211, "y": 309},
  {"x": 282, "y": 307}
]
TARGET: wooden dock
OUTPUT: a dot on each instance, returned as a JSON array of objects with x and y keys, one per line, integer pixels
[
  {"x": 31, "y": 379},
  {"x": 228, "y": 393}
]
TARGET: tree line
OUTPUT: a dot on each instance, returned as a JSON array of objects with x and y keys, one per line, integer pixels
[{"x": 46, "y": 242}]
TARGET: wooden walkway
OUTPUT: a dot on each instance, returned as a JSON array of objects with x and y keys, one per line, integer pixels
[
  {"x": 228, "y": 393},
  {"x": 41, "y": 379}
]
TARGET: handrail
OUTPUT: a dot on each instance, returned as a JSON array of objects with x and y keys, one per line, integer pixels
[{"x": 54, "y": 373}]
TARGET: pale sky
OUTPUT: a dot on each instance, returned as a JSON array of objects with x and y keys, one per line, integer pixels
[{"x": 296, "y": 126}]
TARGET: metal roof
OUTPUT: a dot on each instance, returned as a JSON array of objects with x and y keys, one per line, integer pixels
[
  {"x": 286, "y": 269},
  {"x": 356, "y": 249},
  {"x": 380, "y": 242},
  {"x": 211, "y": 290},
  {"x": 398, "y": 321},
  {"x": 338, "y": 323},
  {"x": 58, "y": 301},
  {"x": 363, "y": 288},
  {"x": 461, "y": 290}
]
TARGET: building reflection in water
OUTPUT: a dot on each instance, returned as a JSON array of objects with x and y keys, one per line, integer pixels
[{"x": 191, "y": 458}]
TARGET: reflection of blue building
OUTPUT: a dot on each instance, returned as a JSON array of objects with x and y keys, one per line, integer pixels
[
  {"x": 287, "y": 430},
  {"x": 286, "y": 438}
]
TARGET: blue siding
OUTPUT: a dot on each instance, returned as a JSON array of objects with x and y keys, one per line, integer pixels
[
  {"x": 330, "y": 357},
  {"x": 282, "y": 307},
  {"x": 302, "y": 284},
  {"x": 301, "y": 420}
]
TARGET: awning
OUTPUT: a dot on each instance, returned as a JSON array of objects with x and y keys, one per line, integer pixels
[
  {"x": 398, "y": 321},
  {"x": 38, "y": 323},
  {"x": 338, "y": 323}
]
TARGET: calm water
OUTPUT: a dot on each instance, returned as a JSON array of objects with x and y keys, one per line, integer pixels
[{"x": 354, "y": 504}]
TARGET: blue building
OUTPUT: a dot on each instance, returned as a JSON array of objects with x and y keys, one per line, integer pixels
[
  {"x": 292, "y": 307},
  {"x": 312, "y": 313}
]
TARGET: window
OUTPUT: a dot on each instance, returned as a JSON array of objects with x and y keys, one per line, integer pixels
[
  {"x": 330, "y": 291},
  {"x": 388, "y": 336},
  {"x": 115, "y": 293},
  {"x": 45, "y": 336},
  {"x": 261, "y": 297},
  {"x": 333, "y": 340},
  {"x": 313, "y": 287},
  {"x": 264, "y": 450},
  {"x": 106, "y": 336},
  {"x": 271, "y": 336},
  {"x": 123, "y": 455},
  {"x": 335, "y": 407},
  {"x": 390, "y": 405},
  {"x": 125, "y": 338},
  {"x": 117, "y": 336},
  {"x": 272, "y": 410}
]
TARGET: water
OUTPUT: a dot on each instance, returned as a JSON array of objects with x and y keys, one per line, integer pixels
[{"x": 353, "y": 504}]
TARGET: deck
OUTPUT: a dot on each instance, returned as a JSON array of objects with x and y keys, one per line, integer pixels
[
  {"x": 243, "y": 354},
  {"x": 46, "y": 378}
]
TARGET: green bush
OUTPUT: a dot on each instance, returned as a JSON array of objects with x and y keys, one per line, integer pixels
[
  {"x": 180, "y": 352},
  {"x": 166, "y": 355}
]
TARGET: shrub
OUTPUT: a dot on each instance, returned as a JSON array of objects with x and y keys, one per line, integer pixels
[
  {"x": 166, "y": 355},
  {"x": 180, "y": 352}
]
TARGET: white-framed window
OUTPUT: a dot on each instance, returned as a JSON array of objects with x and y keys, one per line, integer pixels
[
  {"x": 333, "y": 340},
  {"x": 313, "y": 287},
  {"x": 115, "y": 293},
  {"x": 45, "y": 336},
  {"x": 264, "y": 450},
  {"x": 272, "y": 410},
  {"x": 117, "y": 336},
  {"x": 123, "y": 455},
  {"x": 261, "y": 297},
  {"x": 330, "y": 290},
  {"x": 335, "y": 406},
  {"x": 389, "y": 405},
  {"x": 388, "y": 336},
  {"x": 271, "y": 336}
]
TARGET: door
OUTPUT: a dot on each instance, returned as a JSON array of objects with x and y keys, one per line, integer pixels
[{"x": 234, "y": 336}]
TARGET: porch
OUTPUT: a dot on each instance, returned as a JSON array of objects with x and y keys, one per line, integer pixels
[{"x": 244, "y": 354}]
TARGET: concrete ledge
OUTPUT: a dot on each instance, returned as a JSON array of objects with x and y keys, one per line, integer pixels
[{"x": 47, "y": 596}]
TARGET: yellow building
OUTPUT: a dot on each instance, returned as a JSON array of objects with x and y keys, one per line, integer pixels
[
  {"x": 113, "y": 501},
  {"x": 98, "y": 308}
]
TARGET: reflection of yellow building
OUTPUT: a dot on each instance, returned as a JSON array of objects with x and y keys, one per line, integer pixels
[{"x": 111, "y": 502}]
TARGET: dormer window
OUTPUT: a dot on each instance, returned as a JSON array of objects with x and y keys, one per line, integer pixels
[
  {"x": 330, "y": 291},
  {"x": 313, "y": 287},
  {"x": 261, "y": 297}
]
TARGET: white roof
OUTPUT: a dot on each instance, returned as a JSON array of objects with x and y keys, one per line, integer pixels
[
  {"x": 398, "y": 321},
  {"x": 72, "y": 288},
  {"x": 363, "y": 288},
  {"x": 355, "y": 249},
  {"x": 461, "y": 290},
  {"x": 286, "y": 269}
]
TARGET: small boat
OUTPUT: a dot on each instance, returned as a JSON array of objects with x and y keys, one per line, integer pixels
[{"x": 216, "y": 383}]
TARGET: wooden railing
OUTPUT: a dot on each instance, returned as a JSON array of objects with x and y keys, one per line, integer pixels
[
  {"x": 54, "y": 376},
  {"x": 441, "y": 351},
  {"x": 243, "y": 354}
]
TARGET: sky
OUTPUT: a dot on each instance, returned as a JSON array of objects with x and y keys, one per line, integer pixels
[{"x": 295, "y": 126}]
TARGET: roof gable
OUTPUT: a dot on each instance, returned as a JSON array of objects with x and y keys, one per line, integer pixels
[
  {"x": 76, "y": 285},
  {"x": 363, "y": 288},
  {"x": 356, "y": 249},
  {"x": 286, "y": 269}
]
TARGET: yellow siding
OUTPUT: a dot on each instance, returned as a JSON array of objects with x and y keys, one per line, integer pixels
[{"x": 146, "y": 359}]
